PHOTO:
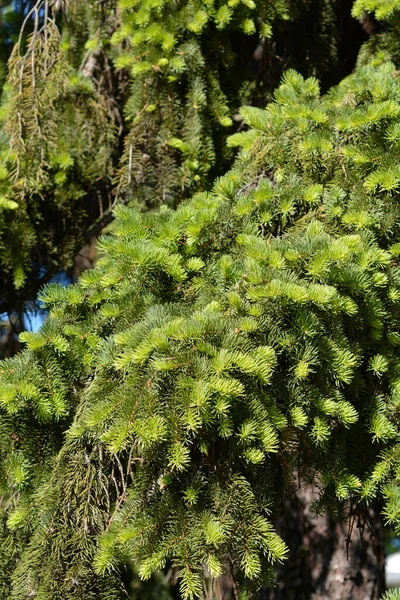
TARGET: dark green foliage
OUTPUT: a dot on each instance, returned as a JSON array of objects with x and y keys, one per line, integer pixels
[{"x": 57, "y": 140}]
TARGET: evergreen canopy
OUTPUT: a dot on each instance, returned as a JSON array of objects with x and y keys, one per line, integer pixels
[
  {"x": 160, "y": 410},
  {"x": 109, "y": 103}
]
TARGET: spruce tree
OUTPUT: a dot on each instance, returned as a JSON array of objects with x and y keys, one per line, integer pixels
[
  {"x": 127, "y": 102},
  {"x": 224, "y": 341},
  {"x": 161, "y": 409}
]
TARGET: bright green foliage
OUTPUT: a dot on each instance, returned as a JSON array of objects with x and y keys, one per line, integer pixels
[
  {"x": 212, "y": 349},
  {"x": 175, "y": 52},
  {"x": 131, "y": 101},
  {"x": 382, "y": 9},
  {"x": 392, "y": 595},
  {"x": 385, "y": 44}
]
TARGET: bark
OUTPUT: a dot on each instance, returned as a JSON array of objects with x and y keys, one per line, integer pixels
[
  {"x": 85, "y": 259},
  {"x": 329, "y": 560}
]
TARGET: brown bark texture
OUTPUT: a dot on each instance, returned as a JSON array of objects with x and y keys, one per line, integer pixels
[{"x": 329, "y": 560}]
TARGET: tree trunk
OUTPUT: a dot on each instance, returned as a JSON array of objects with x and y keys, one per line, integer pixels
[{"x": 329, "y": 560}]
